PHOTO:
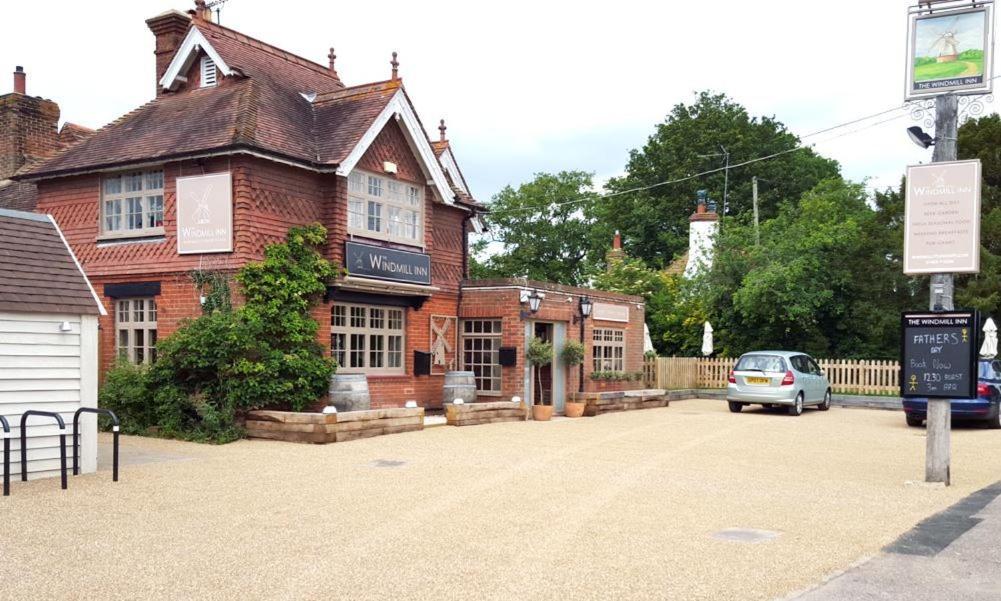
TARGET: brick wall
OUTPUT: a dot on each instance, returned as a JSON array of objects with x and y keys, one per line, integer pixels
[{"x": 557, "y": 306}]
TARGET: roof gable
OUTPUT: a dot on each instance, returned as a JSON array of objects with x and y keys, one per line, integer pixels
[
  {"x": 399, "y": 106},
  {"x": 185, "y": 55}
]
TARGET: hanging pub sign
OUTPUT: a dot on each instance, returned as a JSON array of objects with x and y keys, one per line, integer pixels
[
  {"x": 205, "y": 213},
  {"x": 938, "y": 355},
  {"x": 942, "y": 218},
  {"x": 949, "y": 50},
  {"x": 390, "y": 264}
]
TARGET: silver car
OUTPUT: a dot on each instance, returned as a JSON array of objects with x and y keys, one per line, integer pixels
[{"x": 772, "y": 378}]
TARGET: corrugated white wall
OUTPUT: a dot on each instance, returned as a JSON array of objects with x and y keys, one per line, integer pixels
[{"x": 46, "y": 369}]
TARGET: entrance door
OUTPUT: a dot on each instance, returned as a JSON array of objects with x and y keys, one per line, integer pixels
[{"x": 553, "y": 376}]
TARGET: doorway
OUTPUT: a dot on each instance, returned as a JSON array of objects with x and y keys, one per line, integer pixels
[{"x": 553, "y": 376}]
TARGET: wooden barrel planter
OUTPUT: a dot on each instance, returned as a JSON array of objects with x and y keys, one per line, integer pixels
[
  {"x": 459, "y": 385},
  {"x": 349, "y": 392}
]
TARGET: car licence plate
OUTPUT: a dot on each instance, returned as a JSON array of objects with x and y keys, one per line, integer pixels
[{"x": 757, "y": 380}]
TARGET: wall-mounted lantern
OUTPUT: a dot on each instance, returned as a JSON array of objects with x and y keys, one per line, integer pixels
[{"x": 534, "y": 301}]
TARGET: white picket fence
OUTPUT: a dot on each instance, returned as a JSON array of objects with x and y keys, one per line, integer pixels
[{"x": 847, "y": 376}]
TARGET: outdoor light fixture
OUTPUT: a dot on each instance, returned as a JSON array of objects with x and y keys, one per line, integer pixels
[
  {"x": 919, "y": 137},
  {"x": 65, "y": 327},
  {"x": 585, "y": 307},
  {"x": 534, "y": 301}
]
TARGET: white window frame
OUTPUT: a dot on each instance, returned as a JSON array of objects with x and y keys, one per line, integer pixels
[
  {"x": 479, "y": 332},
  {"x": 209, "y": 74},
  {"x": 608, "y": 349},
  {"x": 119, "y": 205},
  {"x": 372, "y": 198},
  {"x": 132, "y": 316},
  {"x": 350, "y": 332}
]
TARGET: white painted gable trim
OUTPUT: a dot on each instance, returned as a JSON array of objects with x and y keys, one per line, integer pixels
[
  {"x": 399, "y": 105},
  {"x": 185, "y": 55},
  {"x": 448, "y": 162},
  {"x": 100, "y": 305}
]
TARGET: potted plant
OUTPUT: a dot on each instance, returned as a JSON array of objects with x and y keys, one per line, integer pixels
[
  {"x": 573, "y": 354},
  {"x": 540, "y": 354}
]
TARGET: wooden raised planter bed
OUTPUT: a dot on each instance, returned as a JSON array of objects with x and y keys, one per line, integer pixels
[
  {"x": 598, "y": 403},
  {"x": 473, "y": 414},
  {"x": 324, "y": 428}
]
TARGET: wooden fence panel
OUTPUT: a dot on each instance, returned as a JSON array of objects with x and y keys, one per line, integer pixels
[{"x": 846, "y": 376}]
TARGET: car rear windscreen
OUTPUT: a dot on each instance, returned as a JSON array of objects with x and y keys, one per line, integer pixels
[
  {"x": 990, "y": 370},
  {"x": 760, "y": 363}
]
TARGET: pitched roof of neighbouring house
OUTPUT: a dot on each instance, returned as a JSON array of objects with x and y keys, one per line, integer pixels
[
  {"x": 38, "y": 273},
  {"x": 275, "y": 103}
]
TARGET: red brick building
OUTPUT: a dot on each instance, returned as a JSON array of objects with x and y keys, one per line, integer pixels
[{"x": 245, "y": 140}]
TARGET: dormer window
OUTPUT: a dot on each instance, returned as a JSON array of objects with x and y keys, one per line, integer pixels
[{"x": 209, "y": 74}]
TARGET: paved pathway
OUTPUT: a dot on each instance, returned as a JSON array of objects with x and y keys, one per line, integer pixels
[{"x": 955, "y": 554}]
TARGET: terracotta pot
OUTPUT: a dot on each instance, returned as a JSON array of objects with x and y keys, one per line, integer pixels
[
  {"x": 575, "y": 409},
  {"x": 542, "y": 413}
]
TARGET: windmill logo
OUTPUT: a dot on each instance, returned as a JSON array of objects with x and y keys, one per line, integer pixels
[
  {"x": 950, "y": 48},
  {"x": 203, "y": 214}
]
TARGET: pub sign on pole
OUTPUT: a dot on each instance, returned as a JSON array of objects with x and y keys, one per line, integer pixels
[
  {"x": 942, "y": 218},
  {"x": 950, "y": 49},
  {"x": 939, "y": 352}
]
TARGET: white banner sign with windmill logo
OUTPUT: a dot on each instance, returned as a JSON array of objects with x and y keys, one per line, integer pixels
[
  {"x": 950, "y": 49},
  {"x": 942, "y": 218},
  {"x": 205, "y": 213}
]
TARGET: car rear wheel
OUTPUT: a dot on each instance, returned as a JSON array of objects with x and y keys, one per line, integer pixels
[
  {"x": 735, "y": 407},
  {"x": 797, "y": 407},
  {"x": 914, "y": 421},
  {"x": 827, "y": 402}
]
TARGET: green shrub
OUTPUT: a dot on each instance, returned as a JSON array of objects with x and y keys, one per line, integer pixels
[
  {"x": 573, "y": 352},
  {"x": 126, "y": 391},
  {"x": 226, "y": 362}
]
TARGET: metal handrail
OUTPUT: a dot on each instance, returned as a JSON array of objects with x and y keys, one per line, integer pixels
[
  {"x": 76, "y": 440},
  {"x": 24, "y": 442},
  {"x": 6, "y": 455}
]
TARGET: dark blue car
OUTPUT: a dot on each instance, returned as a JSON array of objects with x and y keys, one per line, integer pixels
[{"x": 987, "y": 405}]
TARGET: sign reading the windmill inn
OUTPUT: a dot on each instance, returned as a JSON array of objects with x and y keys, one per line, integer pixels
[
  {"x": 942, "y": 218},
  {"x": 949, "y": 50},
  {"x": 205, "y": 213},
  {"x": 938, "y": 354},
  {"x": 388, "y": 264}
]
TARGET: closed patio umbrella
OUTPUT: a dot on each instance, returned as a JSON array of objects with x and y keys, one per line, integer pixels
[
  {"x": 707, "y": 339},
  {"x": 989, "y": 350}
]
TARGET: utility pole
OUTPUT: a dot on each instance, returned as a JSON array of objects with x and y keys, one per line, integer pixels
[
  {"x": 754, "y": 200},
  {"x": 938, "y": 451}
]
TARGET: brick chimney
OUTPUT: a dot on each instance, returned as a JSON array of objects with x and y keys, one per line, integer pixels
[
  {"x": 29, "y": 127},
  {"x": 20, "y": 80},
  {"x": 169, "y": 29},
  {"x": 615, "y": 254}
]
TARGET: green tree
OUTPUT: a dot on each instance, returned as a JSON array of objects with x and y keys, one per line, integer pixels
[
  {"x": 674, "y": 310},
  {"x": 981, "y": 139},
  {"x": 543, "y": 238},
  {"x": 689, "y": 141},
  {"x": 825, "y": 279}
]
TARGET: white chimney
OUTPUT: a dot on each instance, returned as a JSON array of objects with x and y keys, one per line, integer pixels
[{"x": 703, "y": 226}]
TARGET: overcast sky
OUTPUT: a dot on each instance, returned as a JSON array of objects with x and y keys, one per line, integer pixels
[{"x": 525, "y": 86}]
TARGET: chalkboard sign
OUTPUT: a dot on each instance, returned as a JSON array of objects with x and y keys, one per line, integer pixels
[{"x": 938, "y": 354}]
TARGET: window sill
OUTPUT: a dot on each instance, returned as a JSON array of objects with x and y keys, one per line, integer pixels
[
  {"x": 150, "y": 235},
  {"x": 377, "y": 237}
]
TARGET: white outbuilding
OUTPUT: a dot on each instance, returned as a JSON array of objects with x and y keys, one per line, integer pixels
[{"x": 48, "y": 341}]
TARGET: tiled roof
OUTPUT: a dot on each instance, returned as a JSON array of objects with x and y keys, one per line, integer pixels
[
  {"x": 262, "y": 108},
  {"x": 677, "y": 266},
  {"x": 37, "y": 270}
]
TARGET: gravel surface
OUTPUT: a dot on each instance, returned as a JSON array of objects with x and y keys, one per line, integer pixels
[{"x": 613, "y": 507}]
